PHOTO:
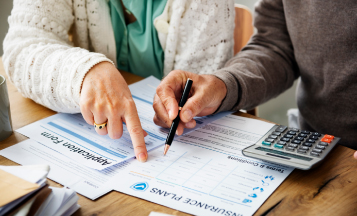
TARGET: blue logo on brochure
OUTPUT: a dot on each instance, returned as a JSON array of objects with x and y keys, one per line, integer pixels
[
  {"x": 140, "y": 186},
  {"x": 247, "y": 201},
  {"x": 253, "y": 195}
]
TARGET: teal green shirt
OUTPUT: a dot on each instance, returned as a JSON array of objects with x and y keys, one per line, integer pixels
[{"x": 137, "y": 44}]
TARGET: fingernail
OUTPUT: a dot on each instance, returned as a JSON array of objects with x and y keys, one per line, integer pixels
[
  {"x": 189, "y": 124},
  {"x": 171, "y": 114},
  {"x": 177, "y": 133},
  {"x": 187, "y": 115},
  {"x": 142, "y": 157}
]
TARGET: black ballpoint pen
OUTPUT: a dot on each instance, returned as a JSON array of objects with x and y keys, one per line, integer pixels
[{"x": 175, "y": 123}]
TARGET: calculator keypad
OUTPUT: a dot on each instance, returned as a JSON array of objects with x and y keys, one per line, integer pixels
[{"x": 301, "y": 142}]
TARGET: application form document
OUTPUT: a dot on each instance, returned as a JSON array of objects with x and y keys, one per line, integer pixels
[{"x": 72, "y": 136}]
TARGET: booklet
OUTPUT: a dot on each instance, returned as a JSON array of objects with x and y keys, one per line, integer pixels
[{"x": 26, "y": 193}]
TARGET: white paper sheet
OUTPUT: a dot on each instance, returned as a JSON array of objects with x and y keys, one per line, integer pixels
[
  {"x": 70, "y": 135},
  {"x": 59, "y": 201},
  {"x": 53, "y": 202},
  {"x": 204, "y": 172},
  {"x": 34, "y": 174}
]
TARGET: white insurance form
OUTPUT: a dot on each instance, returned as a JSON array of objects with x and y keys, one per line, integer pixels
[
  {"x": 72, "y": 136},
  {"x": 204, "y": 172}
]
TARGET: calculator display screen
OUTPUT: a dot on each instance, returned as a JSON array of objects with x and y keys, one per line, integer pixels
[{"x": 283, "y": 153}]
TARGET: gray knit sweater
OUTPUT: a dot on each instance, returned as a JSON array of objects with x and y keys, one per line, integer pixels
[{"x": 315, "y": 40}]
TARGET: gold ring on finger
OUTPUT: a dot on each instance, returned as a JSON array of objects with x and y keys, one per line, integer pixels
[{"x": 100, "y": 126}]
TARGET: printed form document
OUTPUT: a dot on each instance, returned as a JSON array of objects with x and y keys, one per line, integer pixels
[
  {"x": 72, "y": 136},
  {"x": 204, "y": 172}
]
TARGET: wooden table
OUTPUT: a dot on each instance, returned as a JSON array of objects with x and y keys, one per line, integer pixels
[{"x": 329, "y": 190}]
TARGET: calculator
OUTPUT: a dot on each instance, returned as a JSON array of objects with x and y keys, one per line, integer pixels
[{"x": 296, "y": 148}]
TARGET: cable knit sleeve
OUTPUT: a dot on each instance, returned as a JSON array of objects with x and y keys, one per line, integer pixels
[
  {"x": 40, "y": 60},
  {"x": 200, "y": 35}
]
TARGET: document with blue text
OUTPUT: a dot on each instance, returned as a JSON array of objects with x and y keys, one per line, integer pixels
[
  {"x": 205, "y": 173},
  {"x": 72, "y": 136}
]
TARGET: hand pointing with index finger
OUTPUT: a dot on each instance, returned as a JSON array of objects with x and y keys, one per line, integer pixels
[
  {"x": 207, "y": 94},
  {"x": 136, "y": 132},
  {"x": 106, "y": 100}
]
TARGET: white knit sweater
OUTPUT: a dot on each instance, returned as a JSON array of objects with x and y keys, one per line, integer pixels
[{"x": 47, "y": 67}]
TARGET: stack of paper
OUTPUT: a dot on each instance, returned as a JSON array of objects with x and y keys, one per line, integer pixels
[{"x": 25, "y": 192}]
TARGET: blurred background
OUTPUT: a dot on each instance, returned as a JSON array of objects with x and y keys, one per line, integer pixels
[{"x": 274, "y": 110}]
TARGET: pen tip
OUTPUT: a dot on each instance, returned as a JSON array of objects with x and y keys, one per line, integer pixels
[{"x": 166, "y": 148}]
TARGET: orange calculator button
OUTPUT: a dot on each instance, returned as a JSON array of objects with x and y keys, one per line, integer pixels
[
  {"x": 328, "y": 136},
  {"x": 326, "y": 140}
]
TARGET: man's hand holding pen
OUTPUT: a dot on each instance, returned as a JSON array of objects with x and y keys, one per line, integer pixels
[{"x": 206, "y": 95}]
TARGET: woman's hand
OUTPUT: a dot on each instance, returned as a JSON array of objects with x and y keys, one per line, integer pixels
[
  {"x": 207, "y": 94},
  {"x": 105, "y": 96}
]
